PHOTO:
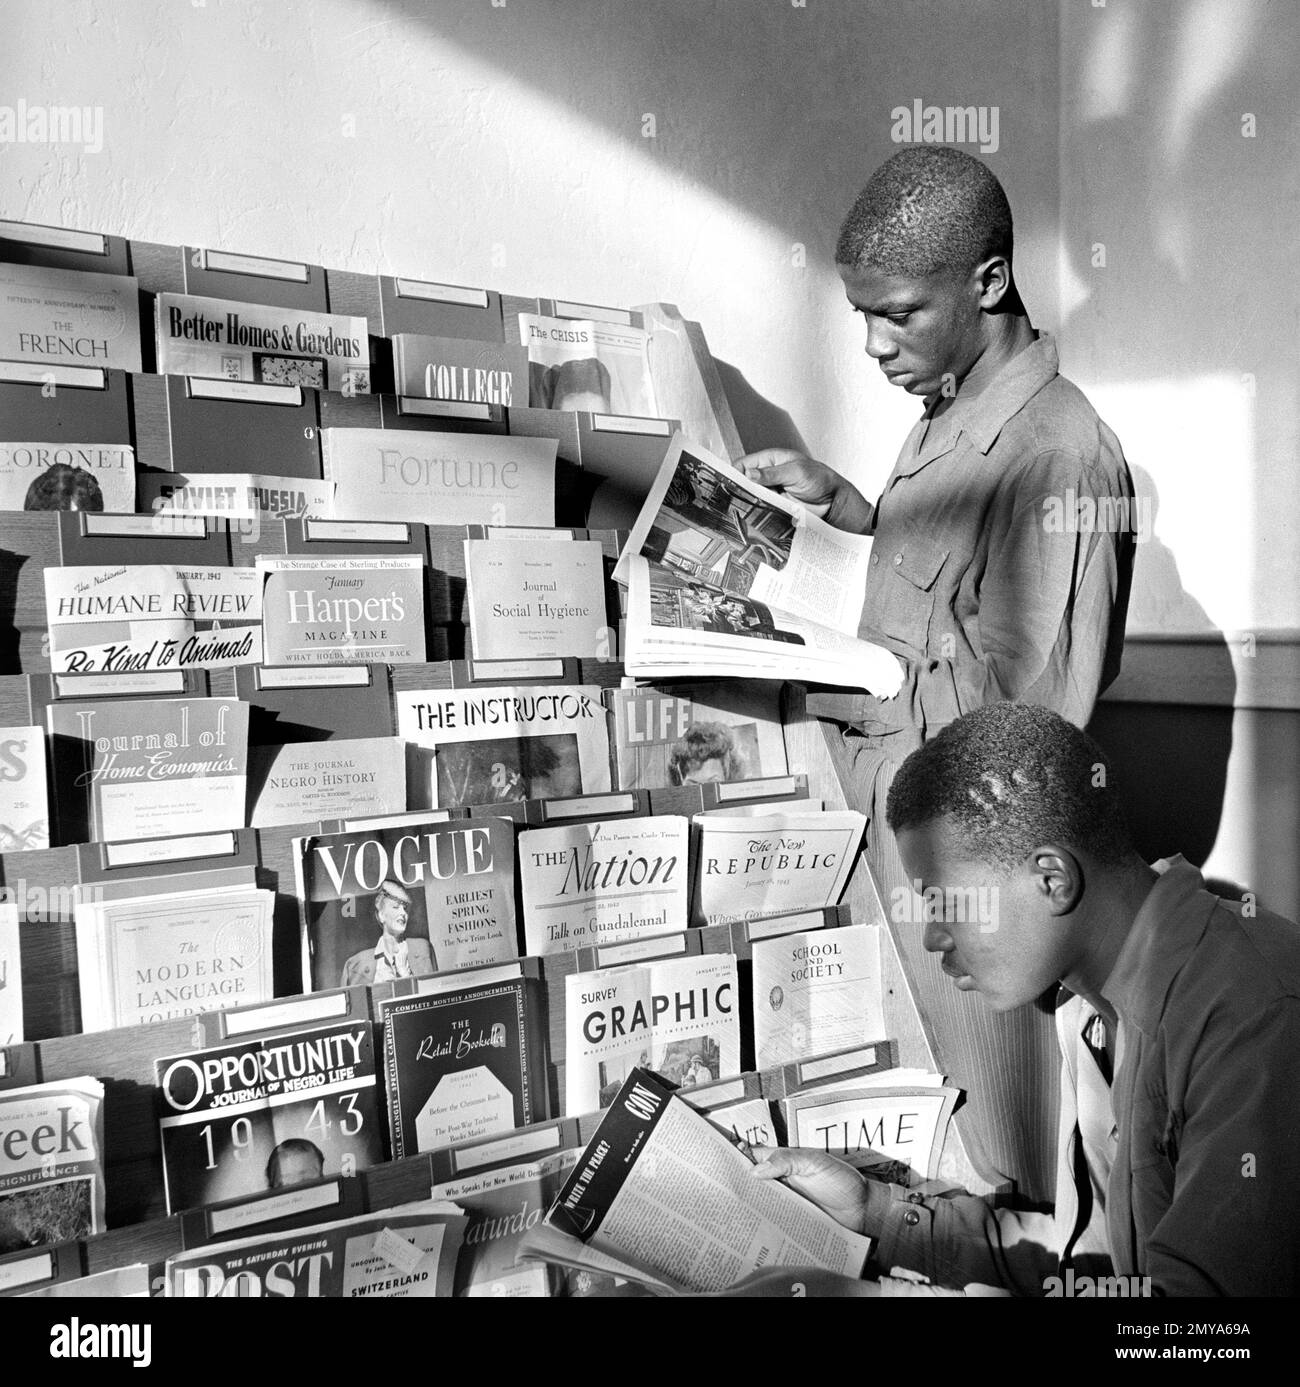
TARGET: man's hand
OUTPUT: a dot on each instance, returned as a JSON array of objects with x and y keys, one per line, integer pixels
[
  {"x": 812, "y": 483},
  {"x": 831, "y": 1184}
]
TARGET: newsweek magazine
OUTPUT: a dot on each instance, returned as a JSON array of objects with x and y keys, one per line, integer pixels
[
  {"x": 200, "y": 336},
  {"x": 51, "y": 1163},
  {"x": 603, "y": 882},
  {"x": 678, "y": 1016},
  {"x": 725, "y": 576},
  {"x": 458, "y": 884},
  {"x": 269, "y": 1111},
  {"x": 402, "y": 1253},
  {"x": 497, "y": 745},
  {"x": 661, "y": 1190}
]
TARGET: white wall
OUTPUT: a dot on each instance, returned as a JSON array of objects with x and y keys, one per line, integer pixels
[
  {"x": 1178, "y": 156},
  {"x": 504, "y": 145}
]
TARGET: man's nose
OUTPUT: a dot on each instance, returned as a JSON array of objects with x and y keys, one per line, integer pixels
[
  {"x": 936, "y": 939},
  {"x": 879, "y": 343}
]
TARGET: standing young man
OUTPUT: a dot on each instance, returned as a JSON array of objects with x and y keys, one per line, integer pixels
[{"x": 976, "y": 583}]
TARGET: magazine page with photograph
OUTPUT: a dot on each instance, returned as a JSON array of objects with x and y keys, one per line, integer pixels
[
  {"x": 581, "y": 365},
  {"x": 502, "y": 744},
  {"x": 680, "y": 627}
]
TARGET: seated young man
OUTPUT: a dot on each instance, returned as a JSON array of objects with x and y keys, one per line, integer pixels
[{"x": 1178, "y": 1022}]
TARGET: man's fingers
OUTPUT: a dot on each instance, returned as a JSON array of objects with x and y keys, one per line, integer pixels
[{"x": 769, "y": 457}]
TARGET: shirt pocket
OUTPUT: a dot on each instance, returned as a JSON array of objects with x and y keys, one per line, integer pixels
[{"x": 914, "y": 565}]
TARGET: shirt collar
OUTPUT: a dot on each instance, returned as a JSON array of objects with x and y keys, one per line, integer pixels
[
  {"x": 1165, "y": 930},
  {"x": 983, "y": 416},
  {"x": 398, "y": 949}
]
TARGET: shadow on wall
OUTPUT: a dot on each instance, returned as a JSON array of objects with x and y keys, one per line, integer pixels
[
  {"x": 760, "y": 422},
  {"x": 1171, "y": 760}
]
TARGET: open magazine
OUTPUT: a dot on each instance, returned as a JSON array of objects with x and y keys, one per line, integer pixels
[
  {"x": 662, "y": 1196},
  {"x": 725, "y": 577}
]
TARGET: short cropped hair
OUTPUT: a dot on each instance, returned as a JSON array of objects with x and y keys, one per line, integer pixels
[
  {"x": 701, "y": 742},
  {"x": 1010, "y": 777},
  {"x": 928, "y": 208}
]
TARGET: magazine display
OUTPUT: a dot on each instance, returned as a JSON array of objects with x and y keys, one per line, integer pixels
[
  {"x": 11, "y": 975},
  {"x": 148, "y": 767},
  {"x": 51, "y": 1163},
  {"x": 661, "y": 1189},
  {"x": 234, "y": 495},
  {"x": 102, "y": 476},
  {"x": 502, "y": 1205},
  {"x": 199, "y": 336},
  {"x": 816, "y": 992},
  {"x": 678, "y": 1016},
  {"x": 747, "y": 1121},
  {"x": 498, "y": 745},
  {"x": 135, "y": 618},
  {"x": 577, "y": 364},
  {"x": 161, "y": 953},
  {"x": 266, "y": 1112},
  {"x": 598, "y": 883},
  {"x": 69, "y": 317},
  {"x": 353, "y": 777},
  {"x": 440, "y": 478},
  {"x": 751, "y": 866},
  {"x": 132, "y": 1282},
  {"x": 897, "y": 1131},
  {"x": 727, "y": 577},
  {"x": 536, "y": 599},
  {"x": 407, "y": 900},
  {"x": 459, "y": 368},
  {"x": 367, "y": 609},
  {"x": 695, "y": 734},
  {"x": 403, "y": 1253},
  {"x": 462, "y": 1065},
  {"x": 24, "y": 796}
]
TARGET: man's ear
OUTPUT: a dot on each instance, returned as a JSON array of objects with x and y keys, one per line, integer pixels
[
  {"x": 993, "y": 281},
  {"x": 1058, "y": 877}
]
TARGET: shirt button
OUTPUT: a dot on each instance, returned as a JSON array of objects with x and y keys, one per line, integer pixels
[
  {"x": 875, "y": 559},
  {"x": 911, "y": 1218},
  {"x": 898, "y": 558}
]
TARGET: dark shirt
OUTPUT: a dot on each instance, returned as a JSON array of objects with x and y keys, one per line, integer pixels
[
  {"x": 1202, "y": 1196},
  {"x": 1002, "y": 557}
]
